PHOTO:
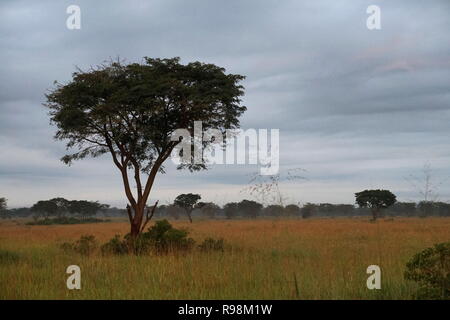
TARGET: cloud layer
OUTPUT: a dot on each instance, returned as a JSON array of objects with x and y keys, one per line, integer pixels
[{"x": 355, "y": 108}]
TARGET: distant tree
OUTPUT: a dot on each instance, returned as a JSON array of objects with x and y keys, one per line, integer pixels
[
  {"x": 45, "y": 208},
  {"x": 333, "y": 210},
  {"x": 376, "y": 200},
  {"x": 292, "y": 210},
  {"x": 250, "y": 208},
  {"x": 344, "y": 209},
  {"x": 187, "y": 201},
  {"x": 404, "y": 209},
  {"x": 3, "y": 204},
  {"x": 86, "y": 208},
  {"x": 208, "y": 209},
  {"x": 426, "y": 208},
  {"x": 174, "y": 211},
  {"x": 326, "y": 209},
  {"x": 443, "y": 209},
  {"x": 62, "y": 205},
  {"x": 4, "y": 213},
  {"x": 161, "y": 211},
  {"x": 131, "y": 111},
  {"x": 274, "y": 210},
  {"x": 308, "y": 210},
  {"x": 21, "y": 212},
  {"x": 231, "y": 210}
]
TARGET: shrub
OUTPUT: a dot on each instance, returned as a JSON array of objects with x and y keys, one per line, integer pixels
[
  {"x": 86, "y": 245},
  {"x": 210, "y": 244},
  {"x": 161, "y": 238},
  {"x": 164, "y": 238},
  {"x": 431, "y": 269},
  {"x": 115, "y": 246}
]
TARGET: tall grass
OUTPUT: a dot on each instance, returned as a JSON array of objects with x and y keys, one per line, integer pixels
[{"x": 268, "y": 259}]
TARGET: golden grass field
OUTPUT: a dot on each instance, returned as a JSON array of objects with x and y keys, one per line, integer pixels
[{"x": 268, "y": 259}]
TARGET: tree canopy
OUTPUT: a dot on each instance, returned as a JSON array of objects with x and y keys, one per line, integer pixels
[{"x": 187, "y": 201}]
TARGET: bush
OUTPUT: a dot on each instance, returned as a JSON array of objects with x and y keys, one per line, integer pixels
[
  {"x": 86, "y": 245},
  {"x": 161, "y": 238},
  {"x": 210, "y": 244},
  {"x": 164, "y": 238},
  {"x": 115, "y": 246},
  {"x": 431, "y": 269}
]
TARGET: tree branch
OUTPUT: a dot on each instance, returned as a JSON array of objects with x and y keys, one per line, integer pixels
[{"x": 149, "y": 217}]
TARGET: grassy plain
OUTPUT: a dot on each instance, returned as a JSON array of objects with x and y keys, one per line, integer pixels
[{"x": 268, "y": 259}]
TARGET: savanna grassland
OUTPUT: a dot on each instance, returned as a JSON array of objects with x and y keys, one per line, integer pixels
[{"x": 266, "y": 259}]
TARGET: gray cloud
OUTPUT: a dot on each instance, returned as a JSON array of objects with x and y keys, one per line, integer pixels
[{"x": 356, "y": 108}]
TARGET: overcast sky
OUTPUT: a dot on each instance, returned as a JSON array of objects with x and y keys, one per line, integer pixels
[{"x": 356, "y": 108}]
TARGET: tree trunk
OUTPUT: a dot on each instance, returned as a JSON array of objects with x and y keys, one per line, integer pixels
[
  {"x": 137, "y": 221},
  {"x": 374, "y": 214},
  {"x": 189, "y": 215}
]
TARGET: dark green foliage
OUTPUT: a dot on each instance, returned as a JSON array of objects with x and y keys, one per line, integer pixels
[
  {"x": 85, "y": 208},
  {"x": 2, "y": 204},
  {"x": 274, "y": 210},
  {"x": 164, "y": 238},
  {"x": 4, "y": 213},
  {"x": 210, "y": 244},
  {"x": 161, "y": 238},
  {"x": 137, "y": 106},
  {"x": 7, "y": 257},
  {"x": 375, "y": 200},
  {"x": 431, "y": 270},
  {"x": 187, "y": 202},
  {"x": 292, "y": 210},
  {"x": 65, "y": 220},
  {"x": 45, "y": 208},
  {"x": 333, "y": 210},
  {"x": 250, "y": 208},
  {"x": 433, "y": 208},
  {"x": 231, "y": 210},
  {"x": 59, "y": 207},
  {"x": 403, "y": 209},
  {"x": 208, "y": 209},
  {"x": 308, "y": 210},
  {"x": 115, "y": 246},
  {"x": 86, "y": 245}
]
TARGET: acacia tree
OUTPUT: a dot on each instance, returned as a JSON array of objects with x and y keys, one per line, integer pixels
[
  {"x": 2, "y": 204},
  {"x": 46, "y": 208},
  {"x": 231, "y": 209},
  {"x": 209, "y": 209},
  {"x": 3, "y": 212},
  {"x": 131, "y": 110},
  {"x": 375, "y": 200},
  {"x": 187, "y": 202},
  {"x": 250, "y": 208},
  {"x": 62, "y": 205},
  {"x": 86, "y": 208}
]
